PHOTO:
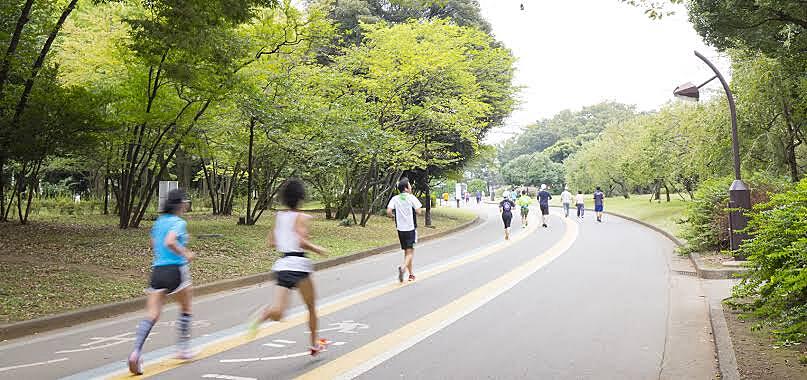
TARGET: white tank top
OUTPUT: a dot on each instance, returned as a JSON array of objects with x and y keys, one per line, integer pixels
[{"x": 287, "y": 241}]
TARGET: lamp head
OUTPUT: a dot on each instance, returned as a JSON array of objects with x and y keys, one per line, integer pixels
[{"x": 687, "y": 91}]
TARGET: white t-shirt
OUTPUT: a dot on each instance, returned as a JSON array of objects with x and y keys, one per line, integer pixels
[
  {"x": 566, "y": 197},
  {"x": 403, "y": 204},
  {"x": 580, "y": 199}
]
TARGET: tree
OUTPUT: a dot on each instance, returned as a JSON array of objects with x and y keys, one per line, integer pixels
[
  {"x": 777, "y": 28},
  {"x": 533, "y": 170}
]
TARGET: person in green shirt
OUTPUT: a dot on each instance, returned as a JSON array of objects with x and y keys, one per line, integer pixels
[{"x": 524, "y": 202}]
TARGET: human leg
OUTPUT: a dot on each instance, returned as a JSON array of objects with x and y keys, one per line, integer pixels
[
  {"x": 154, "y": 303},
  {"x": 306, "y": 287},
  {"x": 184, "y": 298}
]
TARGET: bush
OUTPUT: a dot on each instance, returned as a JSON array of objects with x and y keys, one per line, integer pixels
[
  {"x": 706, "y": 222},
  {"x": 706, "y": 225},
  {"x": 777, "y": 258}
]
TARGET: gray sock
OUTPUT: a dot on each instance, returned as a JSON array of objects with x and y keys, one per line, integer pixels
[
  {"x": 143, "y": 330},
  {"x": 184, "y": 330}
]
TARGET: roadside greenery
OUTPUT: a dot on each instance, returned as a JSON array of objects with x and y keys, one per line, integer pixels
[{"x": 777, "y": 257}]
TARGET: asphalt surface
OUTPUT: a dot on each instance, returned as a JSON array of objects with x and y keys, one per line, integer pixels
[{"x": 575, "y": 300}]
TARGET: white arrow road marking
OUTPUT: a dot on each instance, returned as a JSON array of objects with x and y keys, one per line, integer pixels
[
  {"x": 284, "y": 341},
  {"x": 226, "y": 377},
  {"x": 275, "y": 345},
  {"x": 32, "y": 364}
]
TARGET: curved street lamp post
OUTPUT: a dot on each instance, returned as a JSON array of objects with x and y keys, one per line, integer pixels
[{"x": 739, "y": 194}]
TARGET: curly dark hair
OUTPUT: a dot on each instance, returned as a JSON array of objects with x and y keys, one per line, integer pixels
[{"x": 292, "y": 193}]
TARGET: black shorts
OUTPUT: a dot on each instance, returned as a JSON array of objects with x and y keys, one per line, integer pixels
[
  {"x": 408, "y": 239},
  {"x": 507, "y": 218},
  {"x": 169, "y": 278},
  {"x": 545, "y": 209},
  {"x": 290, "y": 278}
]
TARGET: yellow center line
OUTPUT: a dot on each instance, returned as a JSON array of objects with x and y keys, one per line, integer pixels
[
  {"x": 365, "y": 358},
  {"x": 168, "y": 363}
]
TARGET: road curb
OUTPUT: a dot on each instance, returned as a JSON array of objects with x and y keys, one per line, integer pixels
[
  {"x": 93, "y": 313},
  {"x": 713, "y": 274},
  {"x": 726, "y": 358}
]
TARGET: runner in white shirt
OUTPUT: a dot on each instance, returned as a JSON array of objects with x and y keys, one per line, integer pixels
[
  {"x": 566, "y": 199},
  {"x": 406, "y": 206},
  {"x": 580, "y": 202},
  {"x": 293, "y": 270}
]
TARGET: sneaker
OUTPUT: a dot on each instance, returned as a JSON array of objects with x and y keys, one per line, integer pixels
[
  {"x": 135, "y": 365},
  {"x": 411, "y": 277},
  {"x": 184, "y": 354},
  {"x": 322, "y": 345},
  {"x": 544, "y": 225},
  {"x": 400, "y": 274}
]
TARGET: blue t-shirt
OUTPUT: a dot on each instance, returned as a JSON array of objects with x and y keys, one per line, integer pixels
[
  {"x": 162, "y": 254},
  {"x": 544, "y": 197},
  {"x": 598, "y": 195}
]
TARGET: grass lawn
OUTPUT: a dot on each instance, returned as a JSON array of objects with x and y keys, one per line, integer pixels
[
  {"x": 59, "y": 263},
  {"x": 664, "y": 215}
]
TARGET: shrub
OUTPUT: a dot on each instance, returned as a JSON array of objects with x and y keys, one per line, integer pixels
[
  {"x": 706, "y": 225},
  {"x": 777, "y": 258}
]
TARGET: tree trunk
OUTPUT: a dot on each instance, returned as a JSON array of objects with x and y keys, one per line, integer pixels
[
  {"x": 792, "y": 144},
  {"x": 3, "y": 189},
  {"x": 250, "y": 169},
  {"x": 667, "y": 190},
  {"x": 12, "y": 45},
  {"x": 29, "y": 83}
]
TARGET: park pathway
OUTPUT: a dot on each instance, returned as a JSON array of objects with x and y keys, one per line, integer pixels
[{"x": 575, "y": 300}]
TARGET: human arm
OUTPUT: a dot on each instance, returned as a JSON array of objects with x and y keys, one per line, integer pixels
[
  {"x": 172, "y": 242},
  {"x": 416, "y": 204},
  {"x": 301, "y": 228}
]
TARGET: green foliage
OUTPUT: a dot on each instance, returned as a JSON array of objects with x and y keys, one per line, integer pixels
[
  {"x": 573, "y": 126},
  {"x": 476, "y": 184},
  {"x": 533, "y": 170},
  {"x": 777, "y": 258},
  {"x": 705, "y": 222}
]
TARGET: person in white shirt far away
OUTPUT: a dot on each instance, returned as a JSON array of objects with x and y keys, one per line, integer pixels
[
  {"x": 406, "y": 207},
  {"x": 566, "y": 199},
  {"x": 580, "y": 202}
]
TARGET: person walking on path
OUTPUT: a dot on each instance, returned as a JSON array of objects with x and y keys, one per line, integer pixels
[
  {"x": 293, "y": 270},
  {"x": 543, "y": 201},
  {"x": 524, "y": 202},
  {"x": 506, "y": 207},
  {"x": 406, "y": 207},
  {"x": 598, "y": 203},
  {"x": 566, "y": 199},
  {"x": 169, "y": 275},
  {"x": 478, "y": 197},
  {"x": 580, "y": 202}
]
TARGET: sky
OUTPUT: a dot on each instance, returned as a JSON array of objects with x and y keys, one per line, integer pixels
[{"x": 573, "y": 53}]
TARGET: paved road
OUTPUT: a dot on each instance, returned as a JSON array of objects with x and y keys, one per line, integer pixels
[{"x": 576, "y": 300}]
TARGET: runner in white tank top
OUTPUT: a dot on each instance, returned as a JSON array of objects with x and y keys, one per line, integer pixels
[{"x": 293, "y": 269}]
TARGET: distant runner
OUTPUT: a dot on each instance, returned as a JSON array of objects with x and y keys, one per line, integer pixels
[
  {"x": 478, "y": 197},
  {"x": 543, "y": 201},
  {"x": 293, "y": 270},
  {"x": 598, "y": 203},
  {"x": 169, "y": 275},
  {"x": 524, "y": 202},
  {"x": 580, "y": 202},
  {"x": 506, "y": 207},
  {"x": 566, "y": 199},
  {"x": 406, "y": 206}
]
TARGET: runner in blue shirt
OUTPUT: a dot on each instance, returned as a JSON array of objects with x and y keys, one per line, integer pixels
[
  {"x": 599, "y": 196},
  {"x": 169, "y": 275}
]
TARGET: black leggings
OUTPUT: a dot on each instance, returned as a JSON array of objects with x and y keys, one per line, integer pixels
[{"x": 507, "y": 217}]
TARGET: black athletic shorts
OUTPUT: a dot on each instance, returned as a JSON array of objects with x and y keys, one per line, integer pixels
[
  {"x": 408, "y": 239},
  {"x": 545, "y": 209},
  {"x": 290, "y": 278},
  {"x": 169, "y": 278},
  {"x": 507, "y": 218}
]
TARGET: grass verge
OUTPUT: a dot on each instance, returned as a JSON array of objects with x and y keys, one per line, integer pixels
[{"x": 67, "y": 262}]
